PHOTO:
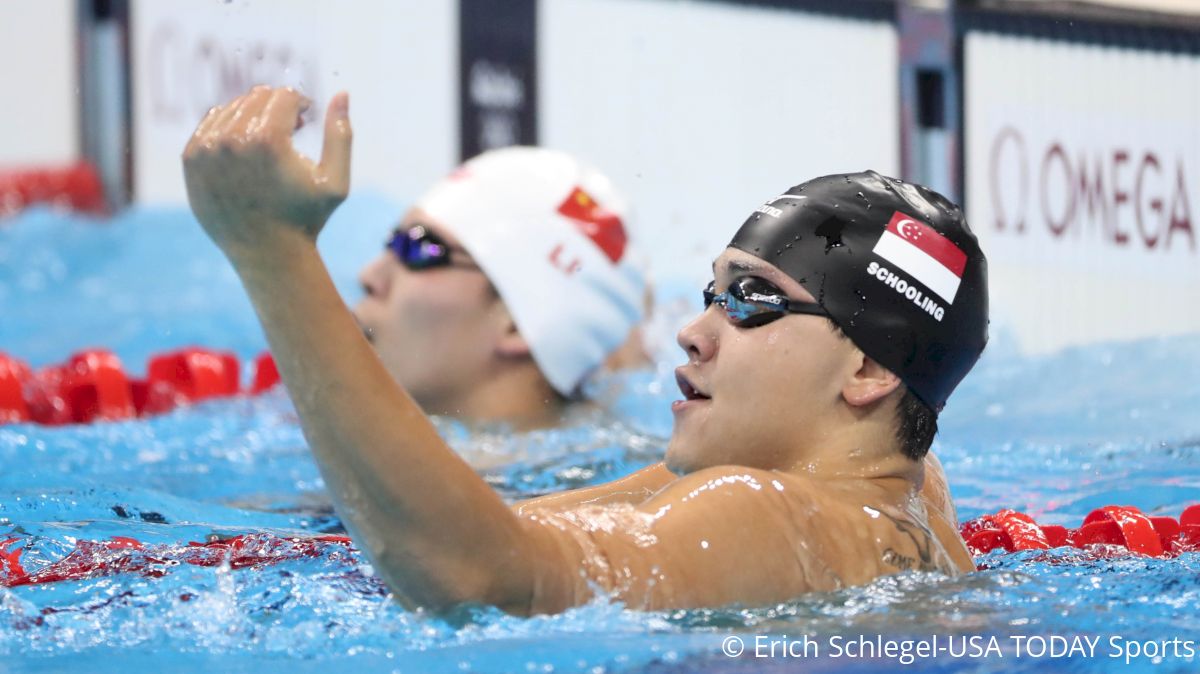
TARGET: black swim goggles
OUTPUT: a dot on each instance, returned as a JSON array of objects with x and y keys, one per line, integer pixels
[
  {"x": 751, "y": 301},
  {"x": 418, "y": 249}
]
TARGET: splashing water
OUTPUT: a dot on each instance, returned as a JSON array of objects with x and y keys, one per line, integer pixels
[{"x": 240, "y": 567}]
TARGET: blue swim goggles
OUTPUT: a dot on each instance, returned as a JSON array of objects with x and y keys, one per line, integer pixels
[
  {"x": 418, "y": 249},
  {"x": 751, "y": 301}
]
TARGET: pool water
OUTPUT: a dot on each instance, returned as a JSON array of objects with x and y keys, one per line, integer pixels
[{"x": 1053, "y": 435}]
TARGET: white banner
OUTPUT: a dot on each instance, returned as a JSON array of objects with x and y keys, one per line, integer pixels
[
  {"x": 701, "y": 111},
  {"x": 190, "y": 56},
  {"x": 396, "y": 59},
  {"x": 1083, "y": 183},
  {"x": 39, "y": 124},
  {"x": 1093, "y": 194}
]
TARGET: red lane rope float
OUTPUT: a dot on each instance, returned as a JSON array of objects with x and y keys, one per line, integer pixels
[
  {"x": 76, "y": 187},
  {"x": 1110, "y": 526},
  {"x": 266, "y": 374},
  {"x": 1120, "y": 526},
  {"x": 13, "y": 375},
  {"x": 121, "y": 554},
  {"x": 93, "y": 386}
]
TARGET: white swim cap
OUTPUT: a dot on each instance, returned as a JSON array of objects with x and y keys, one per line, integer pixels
[{"x": 549, "y": 232}]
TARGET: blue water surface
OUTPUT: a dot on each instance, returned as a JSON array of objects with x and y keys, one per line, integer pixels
[{"x": 1053, "y": 435}]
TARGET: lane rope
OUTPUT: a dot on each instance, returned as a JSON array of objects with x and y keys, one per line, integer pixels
[
  {"x": 1110, "y": 529},
  {"x": 93, "y": 385}
]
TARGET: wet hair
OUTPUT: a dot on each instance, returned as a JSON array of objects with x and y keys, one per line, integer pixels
[
  {"x": 916, "y": 422},
  {"x": 916, "y": 425}
]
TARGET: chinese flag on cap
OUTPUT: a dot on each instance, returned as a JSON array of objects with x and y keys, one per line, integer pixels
[{"x": 602, "y": 226}]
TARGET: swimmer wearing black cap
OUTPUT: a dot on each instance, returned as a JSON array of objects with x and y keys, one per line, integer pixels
[{"x": 801, "y": 379}]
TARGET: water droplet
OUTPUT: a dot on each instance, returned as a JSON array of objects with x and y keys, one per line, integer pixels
[{"x": 862, "y": 307}]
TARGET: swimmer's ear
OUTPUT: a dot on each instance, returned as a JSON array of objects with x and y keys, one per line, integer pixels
[
  {"x": 510, "y": 343},
  {"x": 871, "y": 382}
]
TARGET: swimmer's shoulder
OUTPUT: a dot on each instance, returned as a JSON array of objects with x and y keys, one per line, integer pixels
[
  {"x": 856, "y": 536},
  {"x": 875, "y": 539},
  {"x": 811, "y": 534},
  {"x": 726, "y": 534},
  {"x": 755, "y": 532},
  {"x": 632, "y": 489},
  {"x": 732, "y": 486},
  {"x": 769, "y": 521},
  {"x": 711, "y": 537},
  {"x": 936, "y": 490}
]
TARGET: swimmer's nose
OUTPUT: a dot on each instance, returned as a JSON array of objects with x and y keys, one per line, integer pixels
[
  {"x": 698, "y": 339},
  {"x": 374, "y": 278}
]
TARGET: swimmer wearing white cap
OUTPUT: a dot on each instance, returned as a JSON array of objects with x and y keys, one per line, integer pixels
[
  {"x": 507, "y": 284},
  {"x": 786, "y": 472}
]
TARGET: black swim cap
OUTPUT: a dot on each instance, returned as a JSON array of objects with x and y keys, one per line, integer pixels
[{"x": 895, "y": 265}]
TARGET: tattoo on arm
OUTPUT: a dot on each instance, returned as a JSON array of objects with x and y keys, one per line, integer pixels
[{"x": 922, "y": 541}]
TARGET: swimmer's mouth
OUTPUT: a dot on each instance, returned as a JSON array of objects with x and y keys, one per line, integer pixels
[{"x": 689, "y": 391}]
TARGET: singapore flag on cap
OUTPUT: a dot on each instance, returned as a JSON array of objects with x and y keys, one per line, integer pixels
[{"x": 927, "y": 256}]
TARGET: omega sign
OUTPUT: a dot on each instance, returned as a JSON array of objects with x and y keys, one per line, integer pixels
[{"x": 1119, "y": 195}]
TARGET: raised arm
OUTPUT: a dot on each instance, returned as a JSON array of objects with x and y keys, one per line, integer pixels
[{"x": 431, "y": 527}]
